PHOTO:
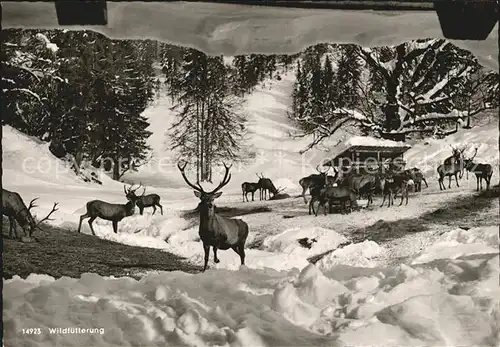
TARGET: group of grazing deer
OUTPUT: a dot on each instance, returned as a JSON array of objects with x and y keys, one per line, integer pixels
[
  {"x": 326, "y": 189},
  {"x": 346, "y": 189},
  {"x": 264, "y": 185}
]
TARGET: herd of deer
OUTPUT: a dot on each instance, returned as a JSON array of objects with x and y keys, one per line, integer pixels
[{"x": 223, "y": 233}]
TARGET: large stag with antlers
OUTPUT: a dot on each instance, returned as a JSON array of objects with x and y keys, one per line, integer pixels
[
  {"x": 217, "y": 231},
  {"x": 110, "y": 212},
  {"x": 452, "y": 166},
  {"x": 14, "y": 208},
  {"x": 481, "y": 171},
  {"x": 320, "y": 179},
  {"x": 150, "y": 200},
  {"x": 266, "y": 186}
]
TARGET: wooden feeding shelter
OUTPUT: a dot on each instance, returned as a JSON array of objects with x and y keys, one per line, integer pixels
[{"x": 367, "y": 153}]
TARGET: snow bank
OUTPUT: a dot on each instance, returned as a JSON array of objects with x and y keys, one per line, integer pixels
[
  {"x": 459, "y": 243},
  {"x": 318, "y": 239},
  {"x": 430, "y": 302},
  {"x": 357, "y": 254}
]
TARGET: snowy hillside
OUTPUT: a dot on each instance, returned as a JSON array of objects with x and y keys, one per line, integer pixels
[
  {"x": 447, "y": 295},
  {"x": 276, "y": 153}
]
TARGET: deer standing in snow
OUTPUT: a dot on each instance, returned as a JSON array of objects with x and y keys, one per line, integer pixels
[
  {"x": 247, "y": 187},
  {"x": 110, "y": 212},
  {"x": 481, "y": 171},
  {"x": 452, "y": 166},
  {"x": 217, "y": 231},
  {"x": 14, "y": 208},
  {"x": 320, "y": 179},
  {"x": 150, "y": 200}
]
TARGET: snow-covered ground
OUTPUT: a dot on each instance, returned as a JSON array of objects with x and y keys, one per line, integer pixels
[
  {"x": 448, "y": 295},
  {"x": 446, "y": 292}
]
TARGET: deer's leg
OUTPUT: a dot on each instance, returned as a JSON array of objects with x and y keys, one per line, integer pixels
[
  {"x": 311, "y": 206},
  {"x": 12, "y": 227},
  {"x": 206, "y": 248},
  {"x": 216, "y": 260},
  {"x": 141, "y": 210},
  {"x": 154, "y": 209},
  {"x": 91, "y": 220},
  {"x": 115, "y": 226},
  {"x": 253, "y": 193},
  {"x": 82, "y": 217},
  {"x": 304, "y": 194},
  {"x": 391, "y": 198},
  {"x": 161, "y": 208},
  {"x": 383, "y": 200},
  {"x": 240, "y": 249}
]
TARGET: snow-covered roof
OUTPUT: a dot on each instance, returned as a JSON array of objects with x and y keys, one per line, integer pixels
[{"x": 369, "y": 143}]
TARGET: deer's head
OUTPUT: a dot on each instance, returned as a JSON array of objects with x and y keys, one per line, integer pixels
[
  {"x": 207, "y": 198},
  {"x": 469, "y": 162},
  {"x": 458, "y": 153},
  {"x": 130, "y": 193}
]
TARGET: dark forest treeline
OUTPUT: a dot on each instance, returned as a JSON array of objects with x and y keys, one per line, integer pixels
[
  {"x": 81, "y": 92},
  {"x": 85, "y": 94}
]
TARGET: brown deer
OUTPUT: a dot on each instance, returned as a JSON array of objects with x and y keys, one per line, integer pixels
[
  {"x": 452, "y": 166},
  {"x": 14, "y": 208},
  {"x": 217, "y": 231},
  {"x": 110, "y": 212},
  {"x": 481, "y": 171},
  {"x": 248, "y": 187},
  {"x": 417, "y": 176},
  {"x": 266, "y": 186},
  {"x": 394, "y": 184},
  {"x": 329, "y": 195},
  {"x": 150, "y": 200},
  {"x": 320, "y": 179}
]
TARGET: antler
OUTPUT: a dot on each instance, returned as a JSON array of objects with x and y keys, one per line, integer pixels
[
  {"x": 32, "y": 204},
  {"x": 54, "y": 209},
  {"x": 475, "y": 153},
  {"x": 279, "y": 190},
  {"x": 140, "y": 185},
  {"x": 225, "y": 180},
  {"x": 259, "y": 177},
  {"x": 144, "y": 191},
  {"x": 198, "y": 187}
]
